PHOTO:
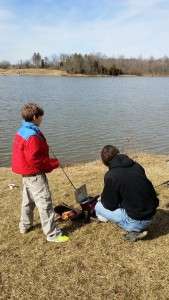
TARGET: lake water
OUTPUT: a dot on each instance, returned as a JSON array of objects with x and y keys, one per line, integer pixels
[{"x": 84, "y": 114}]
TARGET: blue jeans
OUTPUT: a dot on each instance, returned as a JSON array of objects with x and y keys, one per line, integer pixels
[{"x": 120, "y": 217}]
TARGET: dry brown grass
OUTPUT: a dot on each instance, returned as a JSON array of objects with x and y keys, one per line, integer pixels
[
  {"x": 44, "y": 72},
  {"x": 39, "y": 72},
  {"x": 97, "y": 263},
  {"x": 32, "y": 71}
]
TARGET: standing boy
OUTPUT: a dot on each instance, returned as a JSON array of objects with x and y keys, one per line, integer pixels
[{"x": 30, "y": 158}]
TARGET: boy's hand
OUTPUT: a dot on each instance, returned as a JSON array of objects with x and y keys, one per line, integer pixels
[
  {"x": 54, "y": 163},
  {"x": 50, "y": 164}
]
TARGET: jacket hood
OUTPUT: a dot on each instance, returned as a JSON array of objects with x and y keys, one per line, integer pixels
[
  {"x": 28, "y": 129},
  {"x": 30, "y": 125},
  {"x": 121, "y": 161}
]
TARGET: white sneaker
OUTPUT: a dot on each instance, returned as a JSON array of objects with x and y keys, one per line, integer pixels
[
  {"x": 24, "y": 230},
  {"x": 101, "y": 218}
]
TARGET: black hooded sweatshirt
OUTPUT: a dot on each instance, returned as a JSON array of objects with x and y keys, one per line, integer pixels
[{"x": 126, "y": 186}]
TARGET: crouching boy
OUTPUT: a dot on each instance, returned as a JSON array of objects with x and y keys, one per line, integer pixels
[
  {"x": 128, "y": 198},
  {"x": 30, "y": 158}
]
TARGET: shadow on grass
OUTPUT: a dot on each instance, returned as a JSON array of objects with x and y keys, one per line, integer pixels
[
  {"x": 73, "y": 226},
  {"x": 34, "y": 227},
  {"x": 160, "y": 225},
  {"x": 66, "y": 226}
]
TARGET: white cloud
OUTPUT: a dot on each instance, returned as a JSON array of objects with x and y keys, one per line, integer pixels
[
  {"x": 5, "y": 14},
  {"x": 140, "y": 28}
]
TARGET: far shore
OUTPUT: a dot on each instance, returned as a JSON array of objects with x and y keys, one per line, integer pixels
[
  {"x": 43, "y": 72},
  {"x": 32, "y": 71},
  {"x": 60, "y": 73}
]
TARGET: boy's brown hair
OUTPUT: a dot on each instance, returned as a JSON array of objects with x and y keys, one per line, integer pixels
[{"x": 30, "y": 110}]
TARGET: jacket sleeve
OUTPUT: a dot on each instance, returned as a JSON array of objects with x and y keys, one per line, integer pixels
[
  {"x": 36, "y": 157},
  {"x": 110, "y": 196}
]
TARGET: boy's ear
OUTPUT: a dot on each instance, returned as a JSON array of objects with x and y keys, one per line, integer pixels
[{"x": 34, "y": 118}]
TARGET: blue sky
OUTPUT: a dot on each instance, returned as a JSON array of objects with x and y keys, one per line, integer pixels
[{"x": 114, "y": 27}]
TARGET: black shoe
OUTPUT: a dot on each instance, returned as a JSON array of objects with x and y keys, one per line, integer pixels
[{"x": 134, "y": 236}]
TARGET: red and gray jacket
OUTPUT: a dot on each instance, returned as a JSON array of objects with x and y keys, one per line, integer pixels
[{"x": 30, "y": 151}]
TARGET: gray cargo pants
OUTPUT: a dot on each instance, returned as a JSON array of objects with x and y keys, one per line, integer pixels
[{"x": 36, "y": 193}]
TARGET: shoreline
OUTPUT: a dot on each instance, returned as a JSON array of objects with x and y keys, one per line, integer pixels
[
  {"x": 134, "y": 155},
  {"x": 61, "y": 73},
  {"x": 156, "y": 167},
  {"x": 43, "y": 72}
]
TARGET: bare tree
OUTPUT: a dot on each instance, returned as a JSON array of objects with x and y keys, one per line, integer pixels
[
  {"x": 5, "y": 64},
  {"x": 36, "y": 59}
]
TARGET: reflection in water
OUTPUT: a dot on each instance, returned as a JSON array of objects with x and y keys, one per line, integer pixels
[{"x": 84, "y": 114}]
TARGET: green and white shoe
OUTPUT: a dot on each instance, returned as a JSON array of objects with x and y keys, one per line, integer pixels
[{"x": 60, "y": 238}]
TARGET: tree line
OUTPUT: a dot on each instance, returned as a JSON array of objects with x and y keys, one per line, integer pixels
[{"x": 95, "y": 64}]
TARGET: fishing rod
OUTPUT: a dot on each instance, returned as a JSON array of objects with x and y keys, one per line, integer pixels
[
  {"x": 165, "y": 182},
  {"x": 53, "y": 153}
]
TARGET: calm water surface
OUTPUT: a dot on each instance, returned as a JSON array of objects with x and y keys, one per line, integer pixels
[{"x": 84, "y": 114}]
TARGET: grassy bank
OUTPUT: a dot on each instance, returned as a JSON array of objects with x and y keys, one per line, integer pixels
[
  {"x": 32, "y": 72},
  {"x": 41, "y": 72},
  {"x": 97, "y": 263},
  {"x": 55, "y": 72},
  {"x": 45, "y": 72}
]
